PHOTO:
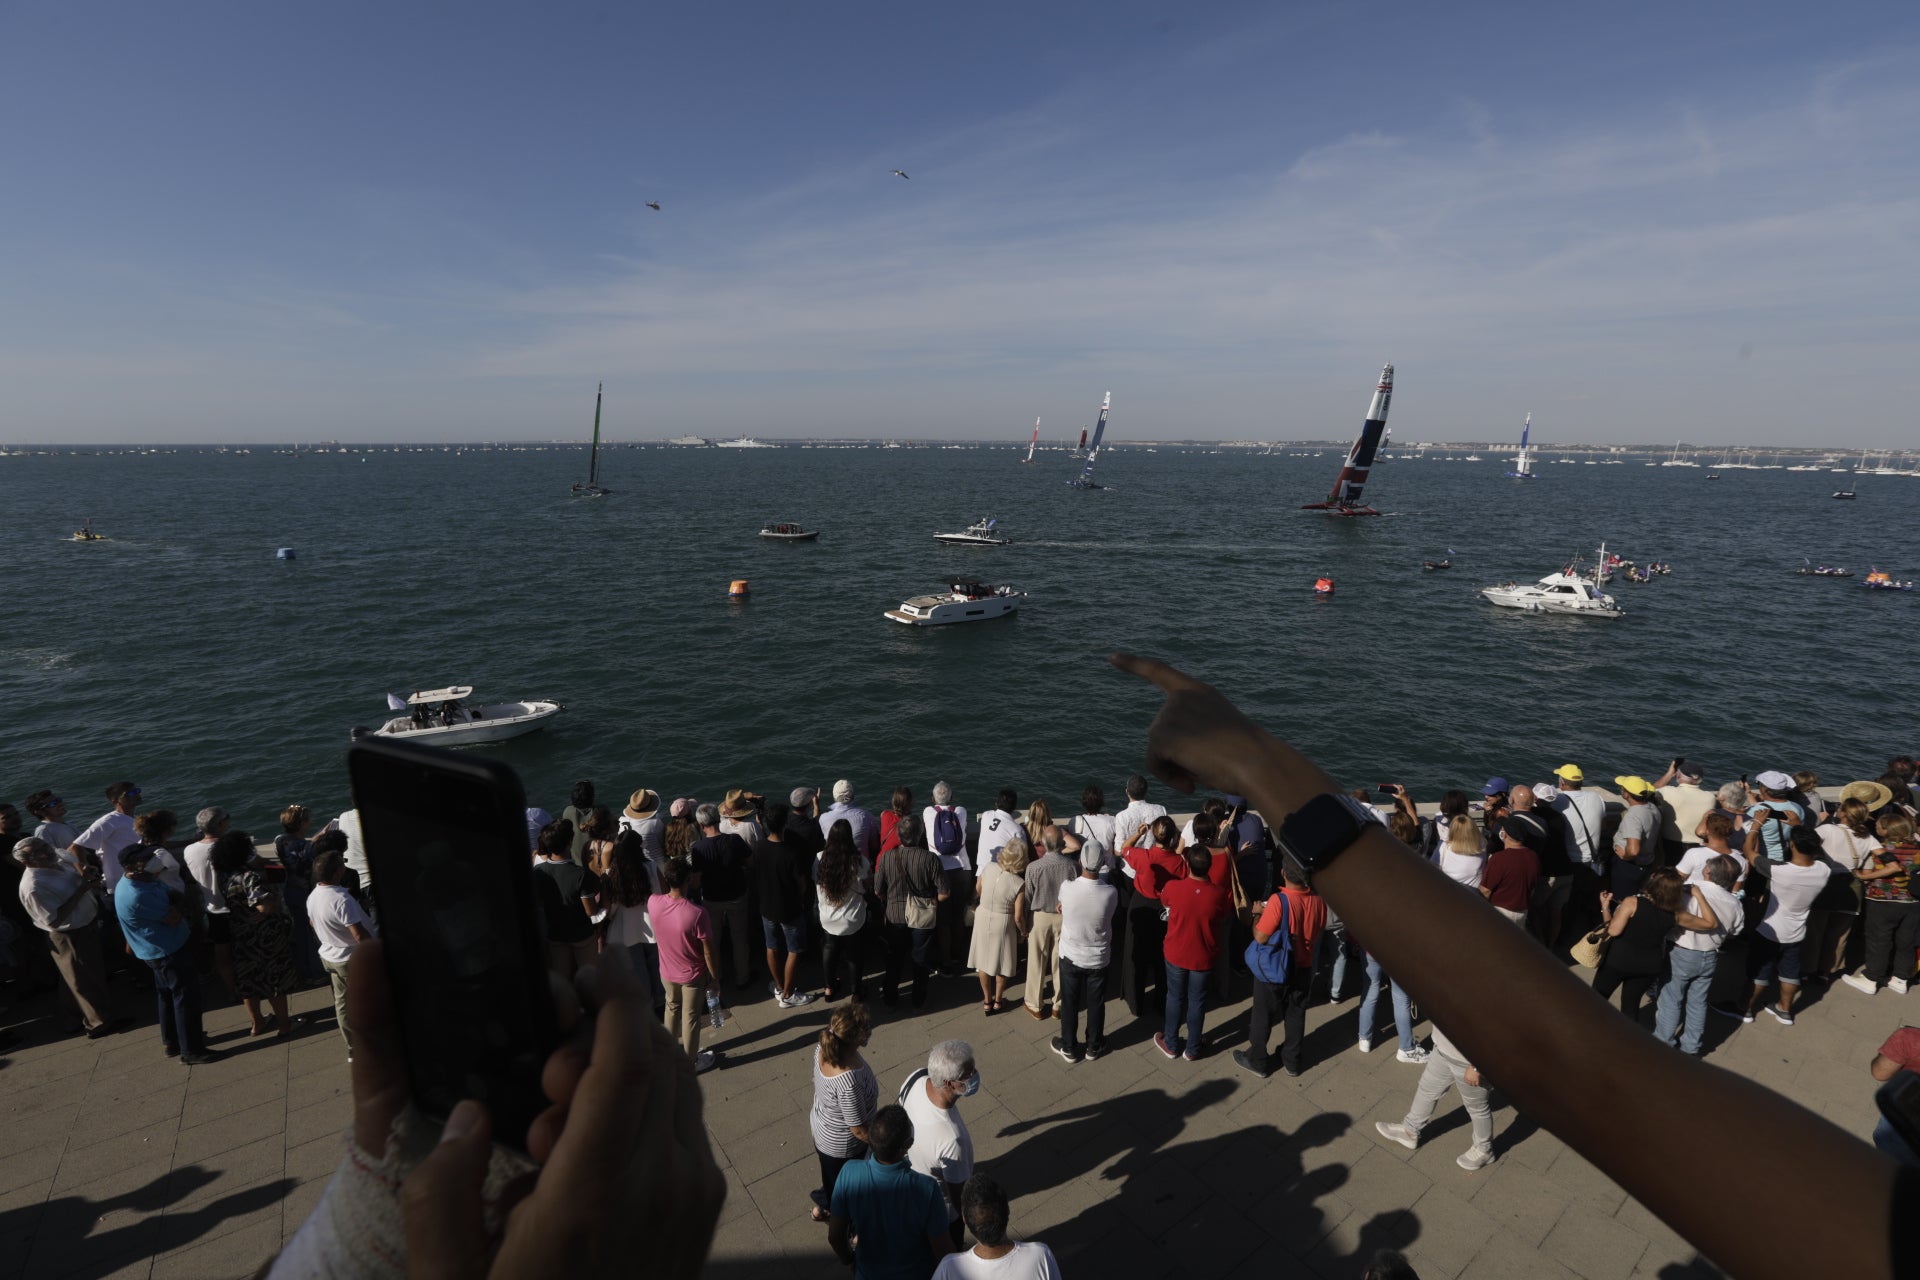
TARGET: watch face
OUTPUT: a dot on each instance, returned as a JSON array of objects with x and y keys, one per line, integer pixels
[{"x": 1315, "y": 833}]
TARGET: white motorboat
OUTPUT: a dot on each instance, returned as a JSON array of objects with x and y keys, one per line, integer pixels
[
  {"x": 443, "y": 718},
  {"x": 1565, "y": 592},
  {"x": 744, "y": 442},
  {"x": 961, "y": 602},
  {"x": 978, "y": 534}
]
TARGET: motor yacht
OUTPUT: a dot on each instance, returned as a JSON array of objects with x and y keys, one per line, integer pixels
[
  {"x": 965, "y": 601},
  {"x": 443, "y": 718},
  {"x": 1565, "y": 592},
  {"x": 978, "y": 534}
]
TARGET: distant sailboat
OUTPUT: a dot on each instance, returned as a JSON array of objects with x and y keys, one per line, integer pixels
[
  {"x": 1033, "y": 443},
  {"x": 1523, "y": 460},
  {"x": 1352, "y": 480},
  {"x": 592, "y": 488},
  {"x": 1080, "y": 450},
  {"x": 1085, "y": 479}
]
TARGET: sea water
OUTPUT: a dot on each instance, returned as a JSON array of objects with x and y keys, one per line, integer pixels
[{"x": 182, "y": 655}]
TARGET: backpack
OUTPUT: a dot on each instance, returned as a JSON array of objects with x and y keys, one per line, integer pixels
[
  {"x": 949, "y": 837},
  {"x": 1270, "y": 960}
]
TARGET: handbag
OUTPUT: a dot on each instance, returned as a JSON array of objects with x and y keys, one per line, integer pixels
[
  {"x": 922, "y": 913},
  {"x": 1591, "y": 949},
  {"x": 1270, "y": 961}
]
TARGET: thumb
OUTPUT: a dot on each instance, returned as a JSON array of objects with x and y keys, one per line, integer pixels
[{"x": 440, "y": 1200}]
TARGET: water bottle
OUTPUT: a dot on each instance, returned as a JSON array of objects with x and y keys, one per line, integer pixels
[{"x": 714, "y": 1016}]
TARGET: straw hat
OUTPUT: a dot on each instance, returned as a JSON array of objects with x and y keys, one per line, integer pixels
[
  {"x": 642, "y": 804},
  {"x": 737, "y": 804},
  {"x": 1874, "y": 795}
]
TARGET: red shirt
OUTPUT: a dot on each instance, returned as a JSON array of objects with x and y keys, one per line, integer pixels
[
  {"x": 889, "y": 833},
  {"x": 1153, "y": 867},
  {"x": 1306, "y": 918},
  {"x": 1509, "y": 877},
  {"x": 1194, "y": 908}
]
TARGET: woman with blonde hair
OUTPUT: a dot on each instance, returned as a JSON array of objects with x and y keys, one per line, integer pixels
[
  {"x": 1000, "y": 922},
  {"x": 1463, "y": 854},
  {"x": 1038, "y": 818},
  {"x": 845, "y": 1096}
]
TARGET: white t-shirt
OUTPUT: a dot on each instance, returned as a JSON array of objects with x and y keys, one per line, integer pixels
[
  {"x": 1726, "y": 909},
  {"x": 1793, "y": 892},
  {"x": 356, "y": 853},
  {"x": 166, "y": 869},
  {"x": 199, "y": 856},
  {"x": 1584, "y": 811},
  {"x": 846, "y": 919},
  {"x": 1848, "y": 850},
  {"x": 942, "y": 1147},
  {"x": 1695, "y": 860},
  {"x": 1029, "y": 1260},
  {"x": 1463, "y": 868},
  {"x": 110, "y": 833},
  {"x": 331, "y": 910},
  {"x": 1138, "y": 813},
  {"x": 1097, "y": 828},
  {"x": 1086, "y": 921},
  {"x": 60, "y": 835},
  {"x": 957, "y": 861},
  {"x": 629, "y": 926},
  {"x": 997, "y": 826}
]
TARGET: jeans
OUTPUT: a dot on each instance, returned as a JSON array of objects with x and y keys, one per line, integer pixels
[
  {"x": 1402, "y": 1007},
  {"x": 177, "y": 988},
  {"x": 1443, "y": 1072},
  {"x": 907, "y": 947},
  {"x": 1288, "y": 1001},
  {"x": 1336, "y": 941},
  {"x": 1082, "y": 988},
  {"x": 1687, "y": 989},
  {"x": 1186, "y": 1000},
  {"x": 731, "y": 918}
]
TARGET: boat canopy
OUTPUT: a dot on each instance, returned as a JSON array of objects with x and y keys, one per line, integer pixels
[{"x": 452, "y": 693}]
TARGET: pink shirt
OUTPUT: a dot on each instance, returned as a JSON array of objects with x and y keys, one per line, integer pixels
[{"x": 680, "y": 926}]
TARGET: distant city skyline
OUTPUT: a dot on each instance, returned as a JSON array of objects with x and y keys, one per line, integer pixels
[{"x": 257, "y": 225}]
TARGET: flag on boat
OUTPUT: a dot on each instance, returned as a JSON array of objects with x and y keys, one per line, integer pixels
[{"x": 396, "y": 703}]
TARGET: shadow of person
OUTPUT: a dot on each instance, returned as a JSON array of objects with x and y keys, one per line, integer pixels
[
  {"x": 1064, "y": 1145},
  {"x": 54, "y": 1236}
]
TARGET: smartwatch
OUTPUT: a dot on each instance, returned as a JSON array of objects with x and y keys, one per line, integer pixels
[{"x": 1320, "y": 830}]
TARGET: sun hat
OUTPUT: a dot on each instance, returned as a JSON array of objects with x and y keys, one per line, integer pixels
[
  {"x": 843, "y": 791},
  {"x": 642, "y": 804},
  {"x": 1495, "y": 787},
  {"x": 1634, "y": 785},
  {"x": 736, "y": 805},
  {"x": 1874, "y": 795},
  {"x": 1774, "y": 780},
  {"x": 1571, "y": 772}
]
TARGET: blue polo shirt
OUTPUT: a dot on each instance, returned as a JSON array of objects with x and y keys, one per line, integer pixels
[
  {"x": 143, "y": 907},
  {"x": 893, "y": 1211}
]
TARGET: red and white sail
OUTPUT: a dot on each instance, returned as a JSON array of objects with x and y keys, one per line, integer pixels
[{"x": 1352, "y": 480}]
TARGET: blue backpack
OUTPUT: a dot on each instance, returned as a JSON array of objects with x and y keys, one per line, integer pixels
[
  {"x": 1269, "y": 960},
  {"x": 948, "y": 835}
]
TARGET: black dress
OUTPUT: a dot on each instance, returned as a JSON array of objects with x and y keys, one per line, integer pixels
[{"x": 1636, "y": 957}]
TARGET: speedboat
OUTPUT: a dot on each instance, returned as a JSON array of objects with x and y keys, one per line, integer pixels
[
  {"x": 962, "y": 602},
  {"x": 1564, "y": 592},
  {"x": 786, "y": 532},
  {"x": 978, "y": 534},
  {"x": 1878, "y": 580},
  {"x": 85, "y": 533},
  {"x": 443, "y": 718},
  {"x": 1824, "y": 571},
  {"x": 1431, "y": 565}
]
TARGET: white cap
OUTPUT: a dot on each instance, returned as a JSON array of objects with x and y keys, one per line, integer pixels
[{"x": 843, "y": 791}]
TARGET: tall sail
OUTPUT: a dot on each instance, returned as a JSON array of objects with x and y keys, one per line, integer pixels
[
  {"x": 1352, "y": 480},
  {"x": 1085, "y": 479},
  {"x": 1083, "y": 440},
  {"x": 1033, "y": 443},
  {"x": 592, "y": 488},
  {"x": 1523, "y": 460}
]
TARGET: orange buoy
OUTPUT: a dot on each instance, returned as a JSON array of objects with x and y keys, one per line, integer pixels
[
  {"x": 1323, "y": 586},
  {"x": 737, "y": 589}
]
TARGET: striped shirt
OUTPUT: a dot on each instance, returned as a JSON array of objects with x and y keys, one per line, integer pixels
[{"x": 839, "y": 1103}]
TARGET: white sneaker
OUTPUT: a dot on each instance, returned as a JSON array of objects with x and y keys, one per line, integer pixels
[
  {"x": 1897, "y": 985},
  {"x": 1365, "y": 1046},
  {"x": 1398, "y": 1133},
  {"x": 1860, "y": 983},
  {"x": 1414, "y": 1055},
  {"x": 799, "y": 998},
  {"x": 1475, "y": 1158},
  {"x": 777, "y": 997}
]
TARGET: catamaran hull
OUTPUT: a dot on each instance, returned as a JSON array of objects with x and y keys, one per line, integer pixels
[{"x": 496, "y": 724}]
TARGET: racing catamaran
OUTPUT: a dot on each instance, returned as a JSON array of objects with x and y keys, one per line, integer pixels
[
  {"x": 1085, "y": 479},
  {"x": 1348, "y": 485},
  {"x": 592, "y": 488},
  {"x": 1523, "y": 460},
  {"x": 1033, "y": 443}
]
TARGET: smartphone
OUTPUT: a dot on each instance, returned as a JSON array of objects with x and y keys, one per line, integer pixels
[
  {"x": 1899, "y": 1101},
  {"x": 446, "y": 839}
]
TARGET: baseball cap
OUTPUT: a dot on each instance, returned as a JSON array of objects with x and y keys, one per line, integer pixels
[
  {"x": 1691, "y": 769},
  {"x": 843, "y": 791},
  {"x": 1774, "y": 780},
  {"x": 801, "y": 797},
  {"x": 1634, "y": 785},
  {"x": 1495, "y": 787},
  {"x": 1091, "y": 856},
  {"x": 1571, "y": 772}
]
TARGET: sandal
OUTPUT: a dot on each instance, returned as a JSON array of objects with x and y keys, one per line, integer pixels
[
  {"x": 815, "y": 1213},
  {"x": 988, "y": 1008}
]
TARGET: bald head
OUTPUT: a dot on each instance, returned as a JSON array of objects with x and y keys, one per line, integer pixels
[{"x": 1521, "y": 798}]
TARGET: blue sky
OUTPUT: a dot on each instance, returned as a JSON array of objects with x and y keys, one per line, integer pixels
[{"x": 1640, "y": 223}]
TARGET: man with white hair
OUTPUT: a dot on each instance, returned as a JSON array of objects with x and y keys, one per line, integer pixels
[
  {"x": 942, "y": 1147},
  {"x": 61, "y": 903},
  {"x": 213, "y": 823},
  {"x": 1683, "y": 802},
  {"x": 1087, "y": 907},
  {"x": 945, "y": 824},
  {"x": 866, "y": 827}
]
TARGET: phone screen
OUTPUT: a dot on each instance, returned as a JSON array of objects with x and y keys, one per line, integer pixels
[{"x": 466, "y": 960}]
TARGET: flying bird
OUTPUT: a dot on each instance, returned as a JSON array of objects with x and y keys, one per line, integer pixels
[
  {"x": 898, "y": 173},
  {"x": 654, "y": 205}
]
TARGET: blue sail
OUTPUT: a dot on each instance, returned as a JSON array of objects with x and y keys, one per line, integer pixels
[{"x": 1085, "y": 479}]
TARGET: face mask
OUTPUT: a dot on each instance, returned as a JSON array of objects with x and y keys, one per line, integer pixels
[{"x": 973, "y": 1085}]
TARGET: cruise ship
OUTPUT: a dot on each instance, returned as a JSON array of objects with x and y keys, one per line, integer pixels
[
  {"x": 744, "y": 442},
  {"x": 690, "y": 440}
]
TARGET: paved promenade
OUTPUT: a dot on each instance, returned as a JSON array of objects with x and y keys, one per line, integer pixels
[{"x": 115, "y": 1161}]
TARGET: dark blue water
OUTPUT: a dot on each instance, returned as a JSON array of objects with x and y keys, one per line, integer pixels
[{"x": 183, "y": 656}]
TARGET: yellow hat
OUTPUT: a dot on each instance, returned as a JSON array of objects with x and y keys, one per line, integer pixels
[
  {"x": 1634, "y": 785},
  {"x": 1571, "y": 772}
]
